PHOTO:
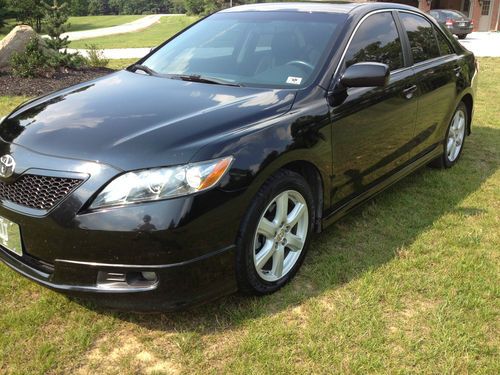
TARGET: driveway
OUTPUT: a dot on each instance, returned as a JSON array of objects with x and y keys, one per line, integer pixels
[
  {"x": 136, "y": 25},
  {"x": 483, "y": 44}
]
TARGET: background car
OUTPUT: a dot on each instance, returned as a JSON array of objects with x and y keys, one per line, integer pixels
[{"x": 457, "y": 22}]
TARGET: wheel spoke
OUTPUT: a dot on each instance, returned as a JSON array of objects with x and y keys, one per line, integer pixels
[
  {"x": 265, "y": 254},
  {"x": 452, "y": 150},
  {"x": 267, "y": 228},
  {"x": 450, "y": 145},
  {"x": 294, "y": 242},
  {"x": 281, "y": 208},
  {"x": 296, "y": 214},
  {"x": 278, "y": 261}
]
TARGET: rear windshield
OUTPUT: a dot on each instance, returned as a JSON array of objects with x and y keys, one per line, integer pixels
[
  {"x": 262, "y": 49},
  {"x": 448, "y": 14}
]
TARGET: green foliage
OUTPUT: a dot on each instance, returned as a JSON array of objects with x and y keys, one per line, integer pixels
[
  {"x": 98, "y": 7},
  {"x": 95, "y": 57},
  {"x": 195, "y": 6},
  {"x": 78, "y": 7},
  {"x": 3, "y": 12},
  {"x": 56, "y": 18},
  {"x": 30, "y": 12},
  {"x": 31, "y": 62}
]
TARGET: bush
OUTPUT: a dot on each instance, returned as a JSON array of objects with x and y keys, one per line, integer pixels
[
  {"x": 95, "y": 57},
  {"x": 30, "y": 63}
]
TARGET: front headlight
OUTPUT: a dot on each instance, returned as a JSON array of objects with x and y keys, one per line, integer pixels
[{"x": 162, "y": 183}]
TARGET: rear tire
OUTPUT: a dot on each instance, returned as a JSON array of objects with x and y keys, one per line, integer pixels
[
  {"x": 462, "y": 36},
  {"x": 453, "y": 143},
  {"x": 274, "y": 234}
]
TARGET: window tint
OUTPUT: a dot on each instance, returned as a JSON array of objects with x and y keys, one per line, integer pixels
[
  {"x": 376, "y": 40},
  {"x": 421, "y": 35},
  {"x": 444, "y": 46}
]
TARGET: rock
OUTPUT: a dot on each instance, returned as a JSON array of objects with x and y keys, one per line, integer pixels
[{"x": 15, "y": 41}]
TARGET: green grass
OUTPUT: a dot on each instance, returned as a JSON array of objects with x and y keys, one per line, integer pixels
[
  {"x": 409, "y": 283},
  {"x": 150, "y": 37},
  {"x": 120, "y": 63},
  {"x": 97, "y": 22},
  {"x": 83, "y": 23}
]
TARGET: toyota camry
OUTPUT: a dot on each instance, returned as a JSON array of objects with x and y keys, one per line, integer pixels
[{"x": 206, "y": 167}]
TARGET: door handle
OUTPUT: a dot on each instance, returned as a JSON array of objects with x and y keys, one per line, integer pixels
[
  {"x": 457, "y": 70},
  {"x": 408, "y": 92}
]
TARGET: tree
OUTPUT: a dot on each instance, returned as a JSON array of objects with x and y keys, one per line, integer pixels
[
  {"x": 98, "y": 7},
  {"x": 195, "y": 6},
  {"x": 30, "y": 12},
  {"x": 56, "y": 18},
  {"x": 3, "y": 12},
  {"x": 78, "y": 7}
]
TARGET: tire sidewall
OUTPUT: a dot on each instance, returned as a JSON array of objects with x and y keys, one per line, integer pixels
[{"x": 248, "y": 278}]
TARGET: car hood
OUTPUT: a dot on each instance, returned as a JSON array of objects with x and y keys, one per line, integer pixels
[{"x": 133, "y": 121}]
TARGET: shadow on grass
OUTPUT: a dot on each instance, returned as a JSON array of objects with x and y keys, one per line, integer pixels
[{"x": 366, "y": 239}]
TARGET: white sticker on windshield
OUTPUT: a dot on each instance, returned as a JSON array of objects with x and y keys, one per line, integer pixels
[{"x": 294, "y": 80}]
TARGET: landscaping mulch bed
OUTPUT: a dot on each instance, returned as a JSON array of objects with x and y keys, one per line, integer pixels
[{"x": 10, "y": 85}]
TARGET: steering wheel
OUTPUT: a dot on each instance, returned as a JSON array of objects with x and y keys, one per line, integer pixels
[{"x": 301, "y": 64}]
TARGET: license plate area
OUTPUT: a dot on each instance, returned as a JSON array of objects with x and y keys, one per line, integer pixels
[{"x": 10, "y": 236}]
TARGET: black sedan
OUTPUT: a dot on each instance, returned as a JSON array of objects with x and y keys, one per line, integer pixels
[
  {"x": 206, "y": 167},
  {"x": 456, "y": 22}
]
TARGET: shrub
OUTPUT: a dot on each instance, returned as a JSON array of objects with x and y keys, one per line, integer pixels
[
  {"x": 95, "y": 57},
  {"x": 30, "y": 63}
]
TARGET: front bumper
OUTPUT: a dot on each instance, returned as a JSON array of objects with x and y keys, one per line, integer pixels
[
  {"x": 178, "y": 285},
  {"x": 188, "y": 242}
]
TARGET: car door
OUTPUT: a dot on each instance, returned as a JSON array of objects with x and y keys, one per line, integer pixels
[
  {"x": 372, "y": 127},
  {"x": 436, "y": 67}
]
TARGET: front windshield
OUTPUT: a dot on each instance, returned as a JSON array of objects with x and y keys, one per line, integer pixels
[{"x": 261, "y": 49}]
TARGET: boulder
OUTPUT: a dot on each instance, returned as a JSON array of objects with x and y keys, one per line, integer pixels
[{"x": 15, "y": 41}]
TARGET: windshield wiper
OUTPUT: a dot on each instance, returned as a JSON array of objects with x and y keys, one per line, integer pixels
[
  {"x": 144, "y": 68},
  {"x": 202, "y": 79}
]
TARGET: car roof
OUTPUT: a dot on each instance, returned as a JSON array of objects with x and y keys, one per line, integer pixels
[{"x": 319, "y": 7}]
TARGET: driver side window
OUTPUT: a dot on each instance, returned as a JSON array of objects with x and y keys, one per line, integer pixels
[{"x": 376, "y": 40}]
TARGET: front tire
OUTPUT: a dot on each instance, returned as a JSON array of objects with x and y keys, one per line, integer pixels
[
  {"x": 454, "y": 139},
  {"x": 274, "y": 234}
]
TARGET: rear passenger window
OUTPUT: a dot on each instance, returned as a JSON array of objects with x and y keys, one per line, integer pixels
[
  {"x": 421, "y": 35},
  {"x": 376, "y": 40},
  {"x": 444, "y": 45}
]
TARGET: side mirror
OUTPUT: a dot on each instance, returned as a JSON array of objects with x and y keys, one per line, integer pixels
[{"x": 366, "y": 74}]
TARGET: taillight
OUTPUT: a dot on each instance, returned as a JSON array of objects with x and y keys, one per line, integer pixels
[
  {"x": 472, "y": 22},
  {"x": 449, "y": 22}
]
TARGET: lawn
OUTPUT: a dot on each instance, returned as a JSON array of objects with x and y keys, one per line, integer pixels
[
  {"x": 150, "y": 37},
  {"x": 409, "y": 283},
  {"x": 83, "y": 23},
  {"x": 97, "y": 22}
]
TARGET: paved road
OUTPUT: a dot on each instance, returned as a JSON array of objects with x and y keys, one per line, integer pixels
[
  {"x": 136, "y": 25},
  {"x": 482, "y": 44}
]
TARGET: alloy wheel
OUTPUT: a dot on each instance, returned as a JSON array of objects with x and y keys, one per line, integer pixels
[
  {"x": 456, "y": 135},
  {"x": 281, "y": 235}
]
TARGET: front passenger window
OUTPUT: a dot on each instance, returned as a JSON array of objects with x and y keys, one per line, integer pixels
[{"x": 376, "y": 40}]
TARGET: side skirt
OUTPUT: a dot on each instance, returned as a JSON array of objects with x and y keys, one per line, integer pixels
[{"x": 381, "y": 186}]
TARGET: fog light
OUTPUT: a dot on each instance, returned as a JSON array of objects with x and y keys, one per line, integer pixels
[
  {"x": 149, "y": 276},
  {"x": 124, "y": 281}
]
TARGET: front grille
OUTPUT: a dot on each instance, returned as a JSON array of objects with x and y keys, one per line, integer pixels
[{"x": 39, "y": 192}]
